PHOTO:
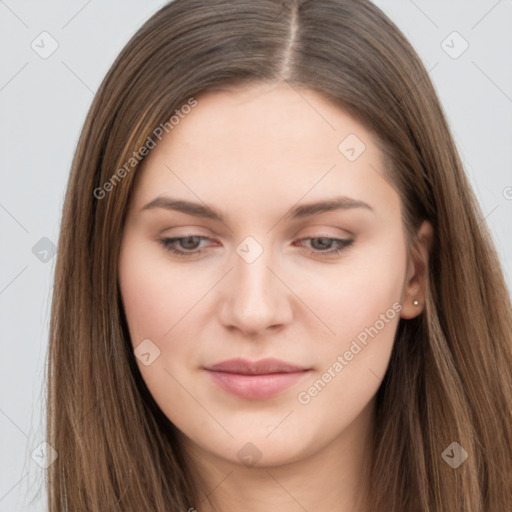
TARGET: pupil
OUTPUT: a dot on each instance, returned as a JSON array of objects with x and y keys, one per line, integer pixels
[
  {"x": 185, "y": 242},
  {"x": 324, "y": 242}
]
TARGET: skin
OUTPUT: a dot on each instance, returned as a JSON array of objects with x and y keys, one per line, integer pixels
[{"x": 253, "y": 153}]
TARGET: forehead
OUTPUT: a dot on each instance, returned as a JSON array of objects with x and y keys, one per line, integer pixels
[
  {"x": 254, "y": 144},
  {"x": 271, "y": 120}
]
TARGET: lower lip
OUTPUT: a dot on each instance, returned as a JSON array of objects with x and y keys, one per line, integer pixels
[{"x": 254, "y": 387}]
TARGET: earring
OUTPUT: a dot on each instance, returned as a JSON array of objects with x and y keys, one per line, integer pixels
[{"x": 415, "y": 302}]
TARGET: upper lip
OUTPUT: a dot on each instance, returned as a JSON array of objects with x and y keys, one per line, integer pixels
[{"x": 261, "y": 367}]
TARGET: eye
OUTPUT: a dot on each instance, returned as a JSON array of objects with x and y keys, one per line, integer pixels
[
  {"x": 190, "y": 245},
  {"x": 333, "y": 245}
]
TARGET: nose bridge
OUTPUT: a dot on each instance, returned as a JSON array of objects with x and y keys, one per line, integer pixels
[
  {"x": 251, "y": 273},
  {"x": 255, "y": 299}
]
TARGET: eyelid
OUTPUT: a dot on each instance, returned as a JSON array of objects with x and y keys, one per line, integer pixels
[{"x": 323, "y": 230}]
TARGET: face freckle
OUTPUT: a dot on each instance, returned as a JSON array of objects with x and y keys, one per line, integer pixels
[{"x": 232, "y": 177}]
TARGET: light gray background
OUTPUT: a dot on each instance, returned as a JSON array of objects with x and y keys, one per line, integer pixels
[{"x": 43, "y": 103}]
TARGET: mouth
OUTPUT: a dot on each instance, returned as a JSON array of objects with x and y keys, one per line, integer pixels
[{"x": 255, "y": 380}]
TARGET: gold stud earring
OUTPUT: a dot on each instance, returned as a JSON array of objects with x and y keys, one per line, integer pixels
[{"x": 415, "y": 302}]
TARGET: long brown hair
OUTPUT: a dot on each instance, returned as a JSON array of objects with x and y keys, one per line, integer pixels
[{"x": 449, "y": 378}]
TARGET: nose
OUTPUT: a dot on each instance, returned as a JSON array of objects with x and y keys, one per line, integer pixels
[{"x": 254, "y": 298}]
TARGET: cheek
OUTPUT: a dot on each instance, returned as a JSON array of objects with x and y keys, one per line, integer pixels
[
  {"x": 363, "y": 309},
  {"x": 152, "y": 293},
  {"x": 352, "y": 295},
  {"x": 160, "y": 300},
  {"x": 352, "y": 365},
  {"x": 155, "y": 305}
]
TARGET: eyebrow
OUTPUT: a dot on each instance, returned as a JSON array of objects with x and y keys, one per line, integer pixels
[{"x": 300, "y": 211}]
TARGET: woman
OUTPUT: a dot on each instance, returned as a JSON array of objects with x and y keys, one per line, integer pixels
[{"x": 274, "y": 286}]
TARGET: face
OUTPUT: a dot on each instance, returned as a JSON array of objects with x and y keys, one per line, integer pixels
[{"x": 231, "y": 261}]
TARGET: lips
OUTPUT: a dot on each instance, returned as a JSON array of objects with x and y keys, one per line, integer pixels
[
  {"x": 261, "y": 367},
  {"x": 254, "y": 380}
]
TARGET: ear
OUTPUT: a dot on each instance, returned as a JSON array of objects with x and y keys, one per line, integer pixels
[{"x": 415, "y": 284}]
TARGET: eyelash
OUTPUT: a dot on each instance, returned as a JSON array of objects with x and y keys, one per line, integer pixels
[{"x": 168, "y": 245}]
